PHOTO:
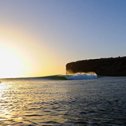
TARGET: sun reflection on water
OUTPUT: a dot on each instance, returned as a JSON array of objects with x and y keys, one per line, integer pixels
[
  {"x": 6, "y": 105},
  {"x": 3, "y": 86},
  {"x": 31, "y": 102},
  {"x": 4, "y": 112}
]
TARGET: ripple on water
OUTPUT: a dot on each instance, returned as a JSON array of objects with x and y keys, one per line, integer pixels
[{"x": 100, "y": 102}]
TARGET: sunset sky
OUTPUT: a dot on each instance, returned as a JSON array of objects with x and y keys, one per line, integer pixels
[{"x": 38, "y": 37}]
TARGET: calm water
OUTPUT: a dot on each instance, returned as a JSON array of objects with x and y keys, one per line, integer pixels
[{"x": 99, "y": 102}]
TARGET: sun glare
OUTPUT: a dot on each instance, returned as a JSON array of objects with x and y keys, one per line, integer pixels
[
  {"x": 18, "y": 53},
  {"x": 10, "y": 62},
  {"x": 24, "y": 55}
]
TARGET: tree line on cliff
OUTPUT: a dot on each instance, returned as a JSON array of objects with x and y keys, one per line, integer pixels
[{"x": 103, "y": 66}]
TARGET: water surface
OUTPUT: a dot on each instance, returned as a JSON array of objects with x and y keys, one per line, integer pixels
[{"x": 98, "y": 102}]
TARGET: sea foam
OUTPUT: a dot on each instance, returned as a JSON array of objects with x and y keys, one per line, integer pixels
[{"x": 81, "y": 76}]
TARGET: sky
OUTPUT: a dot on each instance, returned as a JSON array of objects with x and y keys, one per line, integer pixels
[{"x": 39, "y": 37}]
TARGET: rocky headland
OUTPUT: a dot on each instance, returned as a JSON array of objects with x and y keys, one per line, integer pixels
[{"x": 102, "y": 67}]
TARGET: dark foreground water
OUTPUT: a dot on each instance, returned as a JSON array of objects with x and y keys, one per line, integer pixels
[{"x": 98, "y": 102}]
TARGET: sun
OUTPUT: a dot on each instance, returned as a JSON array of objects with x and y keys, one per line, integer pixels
[
  {"x": 23, "y": 54},
  {"x": 17, "y": 53},
  {"x": 11, "y": 63}
]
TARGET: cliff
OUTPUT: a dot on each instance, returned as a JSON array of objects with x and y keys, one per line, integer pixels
[{"x": 103, "y": 67}]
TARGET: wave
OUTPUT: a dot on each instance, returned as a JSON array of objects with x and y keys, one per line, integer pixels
[
  {"x": 78, "y": 76},
  {"x": 82, "y": 76}
]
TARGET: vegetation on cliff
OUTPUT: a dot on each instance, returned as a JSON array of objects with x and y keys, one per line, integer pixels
[{"x": 104, "y": 66}]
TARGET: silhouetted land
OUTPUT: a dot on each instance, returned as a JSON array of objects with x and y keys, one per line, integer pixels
[{"x": 104, "y": 66}]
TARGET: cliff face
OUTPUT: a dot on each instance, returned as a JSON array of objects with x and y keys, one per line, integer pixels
[{"x": 103, "y": 66}]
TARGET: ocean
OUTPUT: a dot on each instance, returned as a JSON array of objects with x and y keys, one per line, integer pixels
[{"x": 39, "y": 102}]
